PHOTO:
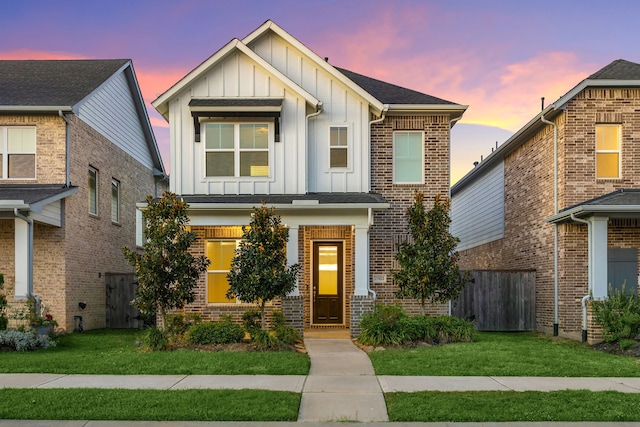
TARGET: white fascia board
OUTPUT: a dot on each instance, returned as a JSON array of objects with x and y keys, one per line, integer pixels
[
  {"x": 10, "y": 205},
  {"x": 284, "y": 206},
  {"x": 426, "y": 108},
  {"x": 262, "y": 108},
  {"x": 376, "y": 105},
  {"x": 162, "y": 102}
]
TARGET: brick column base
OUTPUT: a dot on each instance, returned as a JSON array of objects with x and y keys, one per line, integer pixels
[
  {"x": 360, "y": 304},
  {"x": 293, "y": 311}
]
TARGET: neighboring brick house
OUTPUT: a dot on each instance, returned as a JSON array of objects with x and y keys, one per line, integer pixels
[
  {"x": 76, "y": 154},
  {"x": 339, "y": 155},
  {"x": 512, "y": 207}
]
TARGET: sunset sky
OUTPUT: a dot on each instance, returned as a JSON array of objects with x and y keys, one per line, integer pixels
[{"x": 497, "y": 56}]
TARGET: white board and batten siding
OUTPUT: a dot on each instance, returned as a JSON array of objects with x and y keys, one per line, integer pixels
[
  {"x": 477, "y": 211},
  {"x": 111, "y": 111},
  {"x": 341, "y": 107}
]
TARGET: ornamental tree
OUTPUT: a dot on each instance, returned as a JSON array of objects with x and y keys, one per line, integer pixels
[
  {"x": 259, "y": 271},
  {"x": 166, "y": 271},
  {"x": 428, "y": 261}
]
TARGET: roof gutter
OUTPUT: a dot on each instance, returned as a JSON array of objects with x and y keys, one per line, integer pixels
[
  {"x": 306, "y": 126},
  {"x": 34, "y": 108}
]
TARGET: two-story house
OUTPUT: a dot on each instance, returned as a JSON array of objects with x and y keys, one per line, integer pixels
[
  {"x": 339, "y": 155},
  {"x": 562, "y": 196},
  {"x": 76, "y": 154}
]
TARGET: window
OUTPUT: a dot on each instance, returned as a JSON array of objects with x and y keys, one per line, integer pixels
[
  {"x": 17, "y": 152},
  {"x": 220, "y": 254},
  {"x": 608, "y": 158},
  {"x": 408, "y": 157},
  {"x": 338, "y": 147},
  {"x": 93, "y": 191},
  {"x": 115, "y": 200},
  {"x": 237, "y": 149}
]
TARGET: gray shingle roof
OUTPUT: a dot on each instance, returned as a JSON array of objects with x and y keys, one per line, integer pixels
[
  {"x": 31, "y": 193},
  {"x": 280, "y": 199},
  {"x": 52, "y": 82},
  {"x": 388, "y": 93},
  {"x": 618, "y": 70},
  {"x": 630, "y": 197}
]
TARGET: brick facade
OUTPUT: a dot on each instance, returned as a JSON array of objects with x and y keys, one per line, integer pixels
[
  {"x": 528, "y": 176},
  {"x": 70, "y": 262}
]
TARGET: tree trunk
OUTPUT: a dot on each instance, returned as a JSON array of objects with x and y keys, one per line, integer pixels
[
  {"x": 263, "y": 317},
  {"x": 163, "y": 317}
]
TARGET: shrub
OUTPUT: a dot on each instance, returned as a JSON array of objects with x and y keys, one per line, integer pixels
[
  {"x": 619, "y": 315},
  {"x": 451, "y": 329},
  {"x": 419, "y": 328},
  {"x": 178, "y": 325},
  {"x": 223, "y": 332},
  {"x": 155, "y": 339},
  {"x": 383, "y": 326},
  {"x": 252, "y": 320},
  {"x": 279, "y": 335},
  {"x": 3, "y": 306},
  {"x": 24, "y": 341}
]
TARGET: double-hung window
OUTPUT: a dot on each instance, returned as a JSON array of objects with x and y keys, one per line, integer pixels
[
  {"x": 408, "y": 157},
  {"x": 92, "y": 185},
  {"x": 608, "y": 151},
  {"x": 17, "y": 152},
  {"x": 237, "y": 149},
  {"x": 115, "y": 200},
  {"x": 338, "y": 147},
  {"x": 220, "y": 254}
]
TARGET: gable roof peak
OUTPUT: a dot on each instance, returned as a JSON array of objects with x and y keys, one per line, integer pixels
[{"x": 620, "y": 69}]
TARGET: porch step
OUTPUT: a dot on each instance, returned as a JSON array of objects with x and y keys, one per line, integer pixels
[{"x": 327, "y": 333}]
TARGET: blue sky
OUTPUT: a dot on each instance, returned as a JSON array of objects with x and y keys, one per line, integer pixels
[{"x": 497, "y": 56}]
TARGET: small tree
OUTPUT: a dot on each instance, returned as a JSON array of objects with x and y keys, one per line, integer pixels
[
  {"x": 3, "y": 305},
  {"x": 428, "y": 262},
  {"x": 167, "y": 272},
  {"x": 259, "y": 271}
]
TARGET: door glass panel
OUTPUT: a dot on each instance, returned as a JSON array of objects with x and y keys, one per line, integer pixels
[{"x": 328, "y": 270}]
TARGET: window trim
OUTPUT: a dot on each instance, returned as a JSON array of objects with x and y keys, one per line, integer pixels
[
  {"x": 115, "y": 184},
  {"x": 618, "y": 151},
  {"x": 347, "y": 147},
  {"x": 237, "y": 150},
  {"x": 4, "y": 153},
  {"x": 237, "y": 301},
  {"x": 393, "y": 158},
  {"x": 96, "y": 192}
]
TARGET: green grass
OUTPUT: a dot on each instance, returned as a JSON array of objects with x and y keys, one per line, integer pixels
[
  {"x": 505, "y": 354},
  {"x": 114, "y": 352},
  {"x": 501, "y": 406},
  {"x": 151, "y": 405}
]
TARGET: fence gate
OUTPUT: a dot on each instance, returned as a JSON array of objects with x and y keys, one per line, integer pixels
[
  {"x": 499, "y": 300},
  {"x": 121, "y": 290}
]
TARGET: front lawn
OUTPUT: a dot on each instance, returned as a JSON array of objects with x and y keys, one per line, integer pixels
[
  {"x": 114, "y": 351},
  {"x": 149, "y": 405},
  {"x": 505, "y": 354}
]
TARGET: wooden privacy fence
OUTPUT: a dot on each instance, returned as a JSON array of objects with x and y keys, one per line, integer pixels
[
  {"x": 499, "y": 300},
  {"x": 121, "y": 289}
]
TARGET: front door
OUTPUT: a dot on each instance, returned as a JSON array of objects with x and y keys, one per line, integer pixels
[{"x": 328, "y": 289}]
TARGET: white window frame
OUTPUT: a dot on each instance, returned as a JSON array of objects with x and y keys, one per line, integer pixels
[
  {"x": 97, "y": 190},
  {"x": 237, "y": 301},
  {"x": 4, "y": 153},
  {"x": 618, "y": 151},
  {"x": 422, "y": 153},
  {"x": 347, "y": 147},
  {"x": 115, "y": 201},
  {"x": 237, "y": 150}
]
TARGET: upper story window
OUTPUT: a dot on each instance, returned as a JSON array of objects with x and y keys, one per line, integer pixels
[
  {"x": 408, "y": 157},
  {"x": 17, "y": 152},
  {"x": 220, "y": 254},
  {"x": 338, "y": 147},
  {"x": 237, "y": 149},
  {"x": 115, "y": 200},
  {"x": 608, "y": 151},
  {"x": 93, "y": 191}
]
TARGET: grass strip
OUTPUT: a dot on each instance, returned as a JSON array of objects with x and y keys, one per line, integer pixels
[
  {"x": 511, "y": 406},
  {"x": 150, "y": 405},
  {"x": 505, "y": 354},
  {"x": 114, "y": 352}
]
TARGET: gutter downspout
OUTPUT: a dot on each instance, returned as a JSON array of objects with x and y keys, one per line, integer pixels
[
  {"x": 451, "y": 123},
  {"x": 29, "y": 222},
  {"x": 67, "y": 150},
  {"x": 383, "y": 115},
  {"x": 306, "y": 156},
  {"x": 555, "y": 228},
  {"x": 590, "y": 284}
]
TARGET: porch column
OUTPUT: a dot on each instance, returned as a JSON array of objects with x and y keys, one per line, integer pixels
[
  {"x": 292, "y": 253},
  {"x": 362, "y": 261},
  {"x": 21, "y": 244},
  {"x": 598, "y": 256}
]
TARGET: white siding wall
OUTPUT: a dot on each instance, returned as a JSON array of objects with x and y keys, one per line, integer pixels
[
  {"x": 341, "y": 106},
  {"x": 477, "y": 212},
  {"x": 111, "y": 111}
]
